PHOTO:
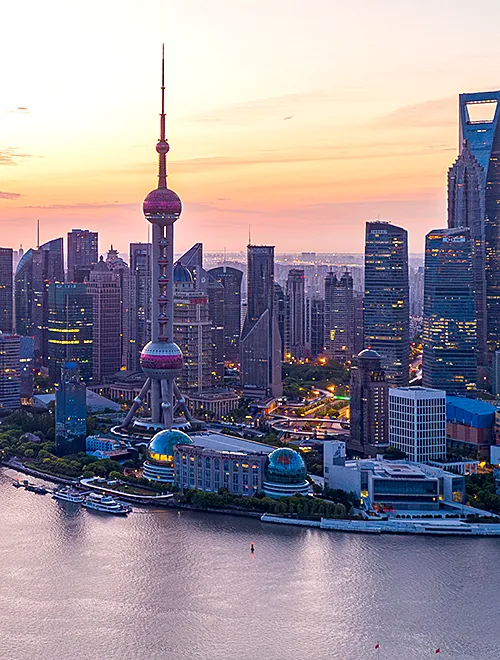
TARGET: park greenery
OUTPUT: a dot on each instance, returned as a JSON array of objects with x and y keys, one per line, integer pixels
[
  {"x": 481, "y": 492},
  {"x": 299, "y": 380}
]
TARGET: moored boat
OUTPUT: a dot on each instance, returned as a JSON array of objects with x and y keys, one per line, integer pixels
[
  {"x": 68, "y": 495},
  {"x": 106, "y": 504}
]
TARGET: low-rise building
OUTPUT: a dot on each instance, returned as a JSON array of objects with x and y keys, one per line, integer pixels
[
  {"x": 470, "y": 423},
  {"x": 217, "y": 404}
]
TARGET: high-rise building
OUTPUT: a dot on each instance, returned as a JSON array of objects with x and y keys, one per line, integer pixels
[
  {"x": 6, "y": 297},
  {"x": 280, "y": 305},
  {"x": 140, "y": 302},
  {"x": 83, "y": 252},
  {"x": 71, "y": 411},
  {"x": 104, "y": 289},
  {"x": 368, "y": 404},
  {"x": 495, "y": 373},
  {"x": 260, "y": 339},
  {"x": 35, "y": 271},
  {"x": 161, "y": 359},
  {"x": 26, "y": 365},
  {"x": 10, "y": 378},
  {"x": 417, "y": 422},
  {"x": 225, "y": 314},
  {"x": 473, "y": 193},
  {"x": 449, "y": 339},
  {"x": 417, "y": 291},
  {"x": 339, "y": 316},
  {"x": 118, "y": 266},
  {"x": 317, "y": 326},
  {"x": 295, "y": 326},
  {"x": 358, "y": 323},
  {"x": 69, "y": 331},
  {"x": 386, "y": 302}
]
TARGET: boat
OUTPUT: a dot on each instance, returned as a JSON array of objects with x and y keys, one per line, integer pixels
[
  {"x": 106, "y": 504},
  {"x": 40, "y": 490},
  {"x": 16, "y": 484},
  {"x": 68, "y": 495}
]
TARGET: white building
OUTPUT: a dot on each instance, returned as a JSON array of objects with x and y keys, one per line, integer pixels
[
  {"x": 417, "y": 422},
  {"x": 10, "y": 378}
]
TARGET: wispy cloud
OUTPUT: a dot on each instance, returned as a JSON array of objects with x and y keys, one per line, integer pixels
[
  {"x": 428, "y": 114},
  {"x": 10, "y": 195},
  {"x": 84, "y": 205},
  {"x": 20, "y": 110},
  {"x": 11, "y": 156}
]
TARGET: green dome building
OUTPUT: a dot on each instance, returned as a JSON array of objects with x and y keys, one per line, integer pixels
[
  {"x": 285, "y": 474},
  {"x": 159, "y": 465}
]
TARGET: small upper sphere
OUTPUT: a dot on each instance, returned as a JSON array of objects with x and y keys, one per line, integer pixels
[
  {"x": 161, "y": 447},
  {"x": 368, "y": 353},
  {"x": 285, "y": 466},
  {"x": 160, "y": 359},
  {"x": 162, "y": 207}
]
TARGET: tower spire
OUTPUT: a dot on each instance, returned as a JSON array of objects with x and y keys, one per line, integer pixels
[{"x": 162, "y": 146}]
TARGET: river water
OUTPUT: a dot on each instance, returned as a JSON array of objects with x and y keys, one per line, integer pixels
[{"x": 158, "y": 585}]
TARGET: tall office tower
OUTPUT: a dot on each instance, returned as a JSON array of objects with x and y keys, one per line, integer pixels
[
  {"x": 192, "y": 332},
  {"x": 473, "y": 193},
  {"x": 417, "y": 422},
  {"x": 416, "y": 291},
  {"x": 26, "y": 364},
  {"x": 104, "y": 289},
  {"x": 118, "y": 266},
  {"x": 368, "y": 404},
  {"x": 83, "y": 253},
  {"x": 35, "y": 271},
  {"x": 6, "y": 297},
  {"x": 280, "y": 305},
  {"x": 260, "y": 339},
  {"x": 71, "y": 411},
  {"x": 339, "y": 316},
  {"x": 495, "y": 373},
  {"x": 358, "y": 323},
  {"x": 161, "y": 359},
  {"x": 386, "y": 304},
  {"x": 317, "y": 326},
  {"x": 295, "y": 328},
  {"x": 10, "y": 377},
  {"x": 69, "y": 328},
  {"x": 140, "y": 302},
  {"x": 449, "y": 357},
  {"x": 225, "y": 313}
]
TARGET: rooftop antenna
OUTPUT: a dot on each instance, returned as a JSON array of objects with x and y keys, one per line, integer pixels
[
  {"x": 249, "y": 234},
  {"x": 38, "y": 233}
]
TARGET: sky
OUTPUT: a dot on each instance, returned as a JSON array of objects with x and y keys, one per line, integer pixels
[{"x": 296, "y": 120}]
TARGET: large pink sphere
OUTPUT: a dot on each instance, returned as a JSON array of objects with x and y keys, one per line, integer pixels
[
  {"x": 162, "y": 207},
  {"x": 160, "y": 359}
]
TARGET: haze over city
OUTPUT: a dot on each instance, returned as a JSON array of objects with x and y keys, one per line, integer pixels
[{"x": 278, "y": 118}]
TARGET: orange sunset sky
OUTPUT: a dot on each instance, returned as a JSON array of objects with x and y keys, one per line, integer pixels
[{"x": 300, "y": 118}]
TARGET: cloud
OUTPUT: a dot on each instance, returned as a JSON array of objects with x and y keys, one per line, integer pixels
[
  {"x": 84, "y": 205},
  {"x": 10, "y": 156},
  {"x": 436, "y": 113},
  {"x": 20, "y": 110},
  {"x": 10, "y": 195}
]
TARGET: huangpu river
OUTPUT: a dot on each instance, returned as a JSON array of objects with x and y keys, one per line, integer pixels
[{"x": 77, "y": 585}]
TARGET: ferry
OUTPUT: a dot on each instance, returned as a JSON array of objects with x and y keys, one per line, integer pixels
[
  {"x": 68, "y": 495},
  {"x": 106, "y": 504}
]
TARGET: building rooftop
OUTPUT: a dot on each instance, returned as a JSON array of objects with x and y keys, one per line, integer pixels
[
  {"x": 474, "y": 406},
  {"x": 222, "y": 442}
]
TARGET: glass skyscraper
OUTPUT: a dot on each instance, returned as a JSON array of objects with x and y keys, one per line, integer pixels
[
  {"x": 449, "y": 358},
  {"x": 386, "y": 302},
  {"x": 71, "y": 411}
]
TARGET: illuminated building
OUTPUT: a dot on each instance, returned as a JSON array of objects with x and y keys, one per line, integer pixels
[
  {"x": 386, "y": 302},
  {"x": 116, "y": 265},
  {"x": 449, "y": 338},
  {"x": 473, "y": 194},
  {"x": 71, "y": 410},
  {"x": 280, "y": 305},
  {"x": 26, "y": 364},
  {"x": 260, "y": 338},
  {"x": 10, "y": 378},
  {"x": 285, "y": 474},
  {"x": 159, "y": 465},
  {"x": 6, "y": 297},
  {"x": 417, "y": 422},
  {"x": 82, "y": 254},
  {"x": 140, "y": 302},
  {"x": 69, "y": 328},
  {"x": 225, "y": 313},
  {"x": 316, "y": 311},
  {"x": 339, "y": 316},
  {"x": 295, "y": 328},
  {"x": 368, "y": 403}
]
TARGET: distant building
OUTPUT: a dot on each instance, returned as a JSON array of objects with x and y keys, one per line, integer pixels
[
  {"x": 280, "y": 305},
  {"x": 117, "y": 266},
  {"x": 6, "y": 295},
  {"x": 368, "y": 404},
  {"x": 449, "y": 337},
  {"x": 225, "y": 313},
  {"x": 260, "y": 339},
  {"x": 386, "y": 302},
  {"x": 140, "y": 302},
  {"x": 26, "y": 365},
  {"x": 417, "y": 422},
  {"x": 10, "y": 378},
  {"x": 317, "y": 326},
  {"x": 69, "y": 329},
  {"x": 83, "y": 253},
  {"x": 339, "y": 316},
  {"x": 71, "y": 411},
  {"x": 295, "y": 327}
]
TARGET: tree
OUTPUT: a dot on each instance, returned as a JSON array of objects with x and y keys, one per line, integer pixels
[{"x": 115, "y": 475}]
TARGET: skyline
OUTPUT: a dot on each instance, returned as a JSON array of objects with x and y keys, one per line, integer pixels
[{"x": 277, "y": 137}]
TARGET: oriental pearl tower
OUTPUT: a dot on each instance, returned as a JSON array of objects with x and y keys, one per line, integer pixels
[{"x": 161, "y": 359}]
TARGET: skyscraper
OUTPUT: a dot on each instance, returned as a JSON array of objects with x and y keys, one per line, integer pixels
[
  {"x": 386, "y": 303},
  {"x": 449, "y": 357},
  {"x": 317, "y": 326},
  {"x": 104, "y": 289},
  {"x": 140, "y": 302},
  {"x": 118, "y": 266},
  {"x": 295, "y": 328},
  {"x": 280, "y": 305},
  {"x": 83, "y": 251},
  {"x": 6, "y": 297},
  {"x": 71, "y": 411},
  {"x": 225, "y": 313},
  {"x": 260, "y": 339},
  {"x": 161, "y": 359},
  {"x": 35, "y": 271},
  {"x": 368, "y": 404},
  {"x": 339, "y": 316},
  {"x": 473, "y": 194},
  {"x": 10, "y": 378},
  {"x": 69, "y": 328}
]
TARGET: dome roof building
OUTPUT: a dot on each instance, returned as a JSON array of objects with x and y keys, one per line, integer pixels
[
  {"x": 159, "y": 465},
  {"x": 285, "y": 474},
  {"x": 369, "y": 353}
]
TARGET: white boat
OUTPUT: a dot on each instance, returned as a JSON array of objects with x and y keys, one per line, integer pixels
[
  {"x": 68, "y": 495},
  {"x": 106, "y": 504}
]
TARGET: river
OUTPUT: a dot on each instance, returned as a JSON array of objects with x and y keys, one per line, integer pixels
[{"x": 160, "y": 585}]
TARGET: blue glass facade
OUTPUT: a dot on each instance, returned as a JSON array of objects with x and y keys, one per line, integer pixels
[{"x": 71, "y": 411}]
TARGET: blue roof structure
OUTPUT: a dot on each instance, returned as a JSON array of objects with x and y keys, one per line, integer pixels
[
  {"x": 471, "y": 412},
  {"x": 480, "y": 132}
]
